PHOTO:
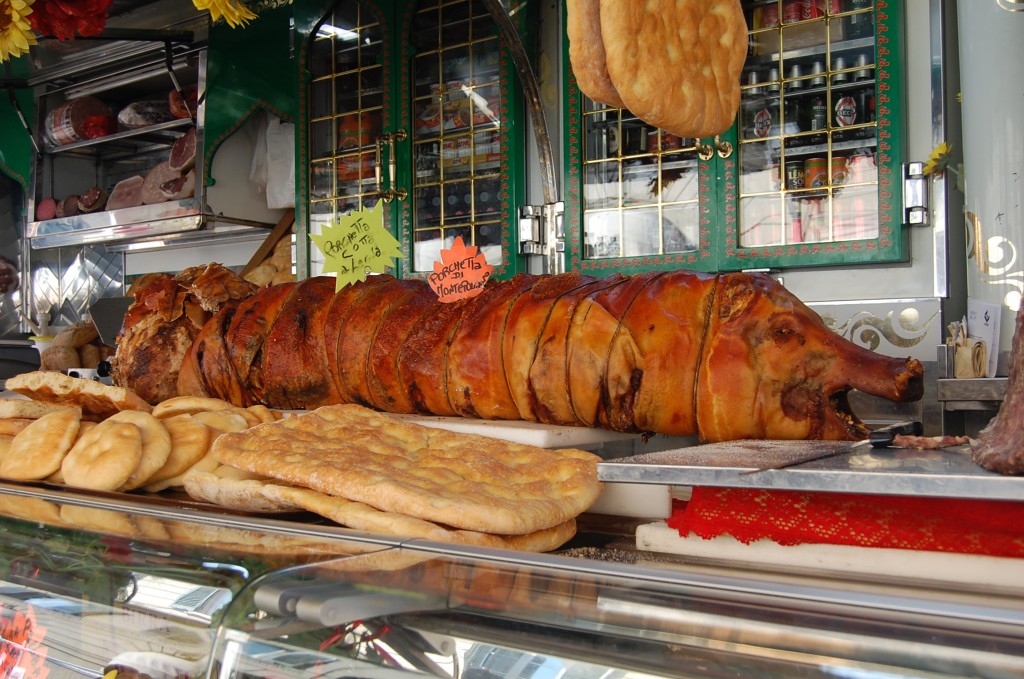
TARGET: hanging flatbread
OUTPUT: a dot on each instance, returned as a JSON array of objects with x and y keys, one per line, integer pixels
[
  {"x": 676, "y": 63},
  {"x": 586, "y": 52}
]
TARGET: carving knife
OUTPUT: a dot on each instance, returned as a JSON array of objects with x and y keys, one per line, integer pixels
[{"x": 879, "y": 438}]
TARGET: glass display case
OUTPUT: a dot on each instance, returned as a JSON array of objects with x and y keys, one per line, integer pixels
[{"x": 92, "y": 584}]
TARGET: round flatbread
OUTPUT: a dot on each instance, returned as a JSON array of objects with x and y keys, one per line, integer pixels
[
  {"x": 189, "y": 405},
  {"x": 39, "y": 450},
  {"x": 676, "y": 63},
  {"x": 207, "y": 463},
  {"x": 224, "y": 421},
  {"x": 26, "y": 408},
  {"x": 98, "y": 401},
  {"x": 242, "y": 494},
  {"x": 12, "y": 426},
  {"x": 190, "y": 441},
  {"x": 264, "y": 413},
  {"x": 105, "y": 457},
  {"x": 586, "y": 52},
  {"x": 97, "y": 520},
  {"x": 156, "y": 446}
]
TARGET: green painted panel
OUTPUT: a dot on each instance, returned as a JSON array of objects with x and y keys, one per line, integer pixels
[
  {"x": 16, "y": 153},
  {"x": 248, "y": 68}
]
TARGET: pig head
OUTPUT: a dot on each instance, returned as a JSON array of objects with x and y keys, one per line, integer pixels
[{"x": 770, "y": 368}]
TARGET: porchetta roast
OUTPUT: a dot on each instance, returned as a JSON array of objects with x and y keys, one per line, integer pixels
[{"x": 721, "y": 356}]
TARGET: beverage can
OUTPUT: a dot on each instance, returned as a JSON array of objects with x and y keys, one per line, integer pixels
[
  {"x": 838, "y": 173},
  {"x": 818, "y": 114},
  {"x": 861, "y": 24},
  {"x": 794, "y": 174},
  {"x": 792, "y": 11},
  {"x": 815, "y": 9},
  {"x": 774, "y": 177},
  {"x": 763, "y": 123},
  {"x": 846, "y": 111},
  {"x": 815, "y": 174},
  {"x": 839, "y": 65},
  {"x": 770, "y": 15}
]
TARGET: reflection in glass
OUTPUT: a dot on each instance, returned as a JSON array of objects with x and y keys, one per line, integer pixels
[
  {"x": 807, "y": 126},
  {"x": 346, "y": 114},
  {"x": 640, "y": 187},
  {"x": 456, "y": 130}
]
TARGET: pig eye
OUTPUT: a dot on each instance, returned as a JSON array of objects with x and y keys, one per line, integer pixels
[{"x": 784, "y": 332}]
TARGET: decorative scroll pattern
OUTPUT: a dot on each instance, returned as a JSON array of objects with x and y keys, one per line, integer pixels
[
  {"x": 899, "y": 328},
  {"x": 997, "y": 259}
]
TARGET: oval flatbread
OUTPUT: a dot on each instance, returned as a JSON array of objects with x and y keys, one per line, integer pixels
[
  {"x": 190, "y": 441},
  {"x": 97, "y": 400},
  {"x": 156, "y": 446},
  {"x": 39, "y": 449},
  {"x": 105, "y": 457},
  {"x": 27, "y": 408},
  {"x": 676, "y": 63},
  {"x": 224, "y": 421},
  {"x": 188, "y": 405},
  {"x": 586, "y": 52}
]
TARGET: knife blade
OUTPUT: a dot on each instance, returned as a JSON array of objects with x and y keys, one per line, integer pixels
[{"x": 879, "y": 438}]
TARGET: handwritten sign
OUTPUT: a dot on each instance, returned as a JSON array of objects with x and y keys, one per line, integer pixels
[
  {"x": 462, "y": 273},
  {"x": 357, "y": 244}
]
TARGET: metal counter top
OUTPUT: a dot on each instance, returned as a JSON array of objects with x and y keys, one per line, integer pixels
[{"x": 947, "y": 472}]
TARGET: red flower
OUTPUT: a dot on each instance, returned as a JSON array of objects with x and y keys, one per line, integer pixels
[{"x": 62, "y": 19}]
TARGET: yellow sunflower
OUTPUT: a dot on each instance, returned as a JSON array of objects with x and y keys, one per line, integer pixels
[
  {"x": 15, "y": 31},
  {"x": 939, "y": 159},
  {"x": 232, "y": 11}
]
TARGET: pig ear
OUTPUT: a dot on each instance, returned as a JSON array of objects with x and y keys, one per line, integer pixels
[{"x": 734, "y": 295}]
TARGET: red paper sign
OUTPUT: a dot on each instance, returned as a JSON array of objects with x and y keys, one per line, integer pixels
[{"x": 461, "y": 273}]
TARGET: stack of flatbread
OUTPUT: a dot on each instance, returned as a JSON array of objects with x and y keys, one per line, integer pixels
[
  {"x": 372, "y": 472},
  {"x": 85, "y": 434},
  {"x": 674, "y": 64}
]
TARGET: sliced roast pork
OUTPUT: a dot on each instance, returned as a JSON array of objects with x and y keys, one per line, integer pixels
[
  {"x": 126, "y": 193},
  {"x": 183, "y": 153},
  {"x": 183, "y": 186}
]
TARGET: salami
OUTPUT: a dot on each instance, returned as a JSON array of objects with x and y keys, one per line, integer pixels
[
  {"x": 82, "y": 118},
  {"x": 183, "y": 153},
  {"x": 70, "y": 206},
  {"x": 93, "y": 200},
  {"x": 46, "y": 209},
  {"x": 127, "y": 193}
]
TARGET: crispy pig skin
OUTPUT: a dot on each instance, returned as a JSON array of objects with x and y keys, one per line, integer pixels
[{"x": 719, "y": 356}]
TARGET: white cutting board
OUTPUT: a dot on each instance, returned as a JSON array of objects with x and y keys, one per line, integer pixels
[
  {"x": 942, "y": 567},
  {"x": 529, "y": 433}
]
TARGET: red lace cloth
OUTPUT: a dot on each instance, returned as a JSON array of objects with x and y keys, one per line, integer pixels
[{"x": 990, "y": 527}]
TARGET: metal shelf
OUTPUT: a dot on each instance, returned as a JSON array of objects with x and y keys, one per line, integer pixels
[{"x": 948, "y": 472}]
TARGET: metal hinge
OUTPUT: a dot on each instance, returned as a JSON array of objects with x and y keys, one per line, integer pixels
[
  {"x": 915, "y": 194},
  {"x": 542, "y": 232}
]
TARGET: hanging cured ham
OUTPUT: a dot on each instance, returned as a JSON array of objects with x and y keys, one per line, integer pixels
[{"x": 724, "y": 357}]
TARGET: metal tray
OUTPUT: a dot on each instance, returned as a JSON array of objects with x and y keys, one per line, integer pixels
[{"x": 948, "y": 472}]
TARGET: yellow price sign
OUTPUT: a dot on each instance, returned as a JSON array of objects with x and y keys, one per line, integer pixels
[{"x": 356, "y": 245}]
